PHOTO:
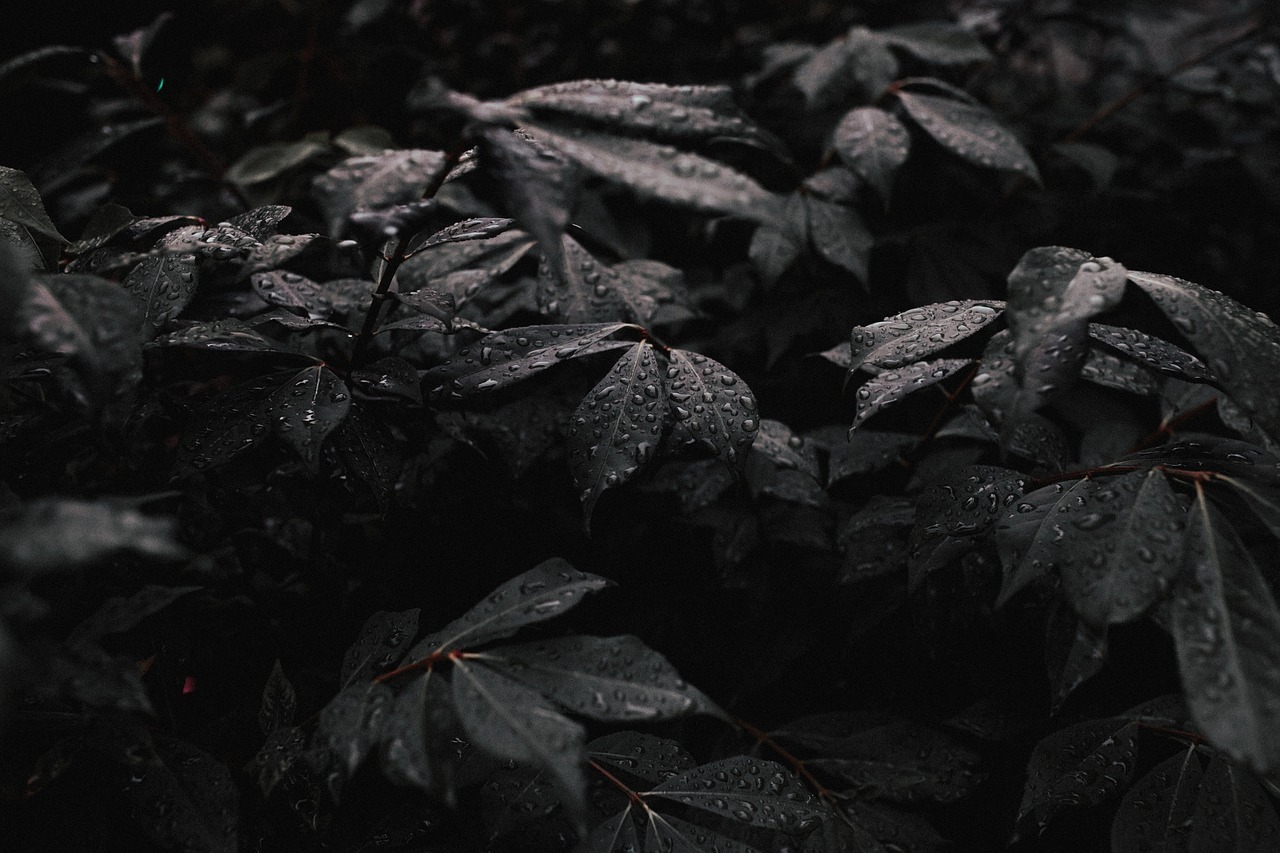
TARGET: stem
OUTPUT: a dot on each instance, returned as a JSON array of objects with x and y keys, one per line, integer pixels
[
  {"x": 912, "y": 456},
  {"x": 633, "y": 796},
  {"x": 1165, "y": 429},
  {"x": 1108, "y": 110},
  {"x": 392, "y": 261}
]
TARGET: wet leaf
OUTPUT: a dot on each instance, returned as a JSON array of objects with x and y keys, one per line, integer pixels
[
  {"x": 261, "y": 223},
  {"x": 952, "y": 515},
  {"x": 161, "y": 286},
  {"x": 61, "y": 534},
  {"x": 183, "y": 798},
  {"x": 581, "y": 289},
  {"x": 511, "y": 721},
  {"x": 20, "y": 204},
  {"x": 661, "y": 171},
  {"x": 642, "y": 756},
  {"x": 616, "y": 679},
  {"x": 873, "y": 143},
  {"x": 267, "y": 162},
  {"x": 1156, "y": 813},
  {"x": 368, "y": 451},
  {"x": 540, "y": 181},
  {"x": 1151, "y": 352},
  {"x": 1232, "y": 812},
  {"x": 838, "y": 234},
  {"x": 776, "y": 246},
  {"x": 866, "y": 451},
  {"x": 544, "y": 592},
  {"x": 504, "y": 358},
  {"x": 229, "y": 335},
  {"x": 970, "y": 131},
  {"x": 279, "y": 702},
  {"x": 616, "y": 429},
  {"x": 389, "y": 378},
  {"x": 347, "y": 731},
  {"x": 1112, "y": 371},
  {"x": 374, "y": 182},
  {"x": 920, "y": 332},
  {"x": 1074, "y": 653},
  {"x": 890, "y": 386},
  {"x": 857, "y": 65},
  {"x": 417, "y": 748},
  {"x": 1079, "y": 766},
  {"x": 119, "y": 614},
  {"x": 710, "y": 406},
  {"x": 1242, "y": 348},
  {"x": 746, "y": 791},
  {"x": 1226, "y": 628},
  {"x": 382, "y": 643},
  {"x": 665, "y": 832}
]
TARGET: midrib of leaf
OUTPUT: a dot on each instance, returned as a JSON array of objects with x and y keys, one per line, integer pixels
[
  {"x": 517, "y": 725},
  {"x": 621, "y": 413},
  {"x": 1126, "y": 533}
]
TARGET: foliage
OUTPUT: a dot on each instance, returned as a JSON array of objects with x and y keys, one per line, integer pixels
[{"x": 460, "y": 463}]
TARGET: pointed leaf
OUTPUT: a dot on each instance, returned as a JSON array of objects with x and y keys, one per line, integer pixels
[
  {"x": 539, "y": 179},
  {"x": 310, "y": 406},
  {"x": 663, "y": 172},
  {"x": 605, "y": 678},
  {"x": 190, "y": 790},
  {"x": 866, "y": 451},
  {"x": 616, "y": 428},
  {"x": 710, "y": 406},
  {"x": 873, "y": 143},
  {"x": 970, "y": 131},
  {"x": 856, "y": 65},
  {"x": 748, "y": 791},
  {"x": 618, "y": 834},
  {"x": 1151, "y": 352},
  {"x": 1232, "y": 812},
  {"x": 123, "y": 613},
  {"x": 510, "y": 721},
  {"x": 1242, "y": 348},
  {"x": 1156, "y": 813},
  {"x": 544, "y": 592},
  {"x": 374, "y": 182},
  {"x": 162, "y": 285},
  {"x": 775, "y": 246},
  {"x": 1054, "y": 288},
  {"x": 506, "y": 357},
  {"x": 952, "y": 515},
  {"x": 1226, "y": 628},
  {"x": 1112, "y": 371},
  {"x": 21, "y": 204},
  {"x": 580, "y": 289},
  {"x": 920, "y": 332},
  {"x": 891, "y": 386},
  {"x": 279, "y": 702},
  {"x": 938, "y": 42},
  {"x": 368, "y": 452},
  {"x": 266, "y": 162},
  {"x": 839, "y": 235},
  {"x": 229, "y": 335},
  {"x": 1077, "y": 767},
  {"x": 261, "y": 223},
  {"x": 670, "y": 834},
  {"x": 417, "y": 748},
  {"x": 380, "y": 646},
  {"x": 1074, "y": 653},
  {"x": 348, "y": 729},
  {"x": 643, "y": 756}
]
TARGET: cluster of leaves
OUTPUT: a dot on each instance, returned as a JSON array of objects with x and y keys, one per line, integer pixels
[{"x": 257, "y": 450}]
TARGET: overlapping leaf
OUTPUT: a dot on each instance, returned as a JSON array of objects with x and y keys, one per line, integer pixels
[
  {"x": 540, "y": 180},
  {"x": 747, "y": 791},
  {"x": 1242, "y": 348},
  {"x": 952, "y": 514},
  {"x": 918, "y": 333},
  {"x": 374, "y": 182},
  {"x": 504, "y": 358},
  {"x": 1226, "y": 627},
  {"x": 710, "y": 406},
  {"x": 873, "y": 143},
  {"x": 938, "y": 42},
  {"x": 382, "y": 642},
  {"x": 618, "y": 426},
  {"x": 857, "y": 65},
  {"x": 1156, "y": 813},
  {"x": 970, "y": 131},
  {"x": 577, "y": 288},
  {"x": 1232, "y": 812},
  {"x": 890, "y": 386},
  {"x": 162, "y": 285}
]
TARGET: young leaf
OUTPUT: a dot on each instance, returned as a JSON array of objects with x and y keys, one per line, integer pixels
[
  {"x": 710, "y": 406},
  {"x": 918, "y": 333},
  {"x": 508, "y": 720},
  {"x": 1076, "y": 767},
  {"x": 279, "y": 702},
  {"x": 892, "y": 385},
  {"x": 616, "y": 428},
  {"x": 663, "y": 172},
  {"x": 747, "y": 791},
  {"x": 1156, "y": 813},
  {"x": 1242, "y": 348},
  {"x": 543, "y": 592},
  {"x": 504, "y": 358},
  {"x": 1121, "y": 551},
  {"x": 162, "y": 285},
  {"x": 616, "y": 679},
  {"x": 873, "y": 144},
  {"x": 970, "y": 131},
  {"x": 1226, "y": 628}
]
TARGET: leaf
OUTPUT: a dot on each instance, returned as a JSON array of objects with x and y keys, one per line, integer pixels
[
  {"x": 1151, "y": 352},
  {"x": 969, "y": 131},
  {"x": 368, "y": 452},
  {"x": 161, "y": 286},
  {"x": 104, "y": 224},
  {"x": 615, "y": 679},
  {"x": 504, "y": 358},
  {"x": 389, "y": 378},
  {"x": 1079, "y": 766},
  {"x": 347, "y": 731},
  {"x": 776, "y": 442},
  {"x": 133, "y": 46},
  {"x": 649, "y": 109},
  {"x": 183, "y": 797},
  {"x": 839, "y": 235},
  {"x": 510, "y": 721},
  {"x": 1074, "y": 653},
  {"x": 1120, "y": 554},
  {"x": 60, "y": 534},
  {"x": 665, "y": 832},
  {"x": 775, "y": 246},
  {"x": 874, "y": 144},
  {"x": 577, "y": 288},
  {"x": 891, "y": 386},
  {"x": 857, "y": 65},
  {"x": 21, "y": 204},
  {"x": 642, "y": 756},
  {"x": 663, "y": 172},
  {"x": 1112, "y": 371},
  {"x": 920, "y": 332},
  {"x": 1232, "y": 812},
  {"x": 544, "y": 592},
  {"x": 710, "y": 406},
  {"x": 417, "y": 739},
  {"x": 618, "y": 834},
  {"x": 279, "y": 702},
  {"x": 261, "y": 223},
  {"x": 952, "y": 515},
  {"x": 617, "y": 427},
  {"x": 267, "y": 162},
  {"x": 866, "y": 451},
  {"x": 374, "y": 182},
  {"x": 229, "y": 335},
  {"x": 1156, "y": 813},
  {"x": 302, "y": 407},
  {"x": 123, "y": 613},
  {"x": 1226, "y": 629},
  {"x": 937, "y": 42},
  {"x": 539, "y": 182},
  {"x": 1242, "y": 348},
  {"x": 379, "y": 646},
  {"x": 747, "y": 791}
]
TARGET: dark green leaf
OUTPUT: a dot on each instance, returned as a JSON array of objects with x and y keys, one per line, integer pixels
[
  {"x": 270, "y": 161},
  {"x": 261, "y": 223},
  {"x": 374, "y": 182},
  {"x": 229, "y": 335},
  {"x": 161, "y": 286},
  {"x": 642, "y": 756},
  {"x": 1232, "y": 812},
  {"x": 543, "y": 592},
  {"x": 953, "y": 514},
  {"x": 747, "y": 791},
  {"x": 890, "y": 386},
  {"x": 873, "y": 144},
  {"x": 920, "y": 332},
  {"x": 1156, "y": 813},
  {"x": 310, "y": 406},
  {"x": 382, "y": 643},
  {"x": 710, "y": 406},
  {"x": 970, "y": 131},
  {"x": 1077, "y": 767},
  {"x": 616, "y": 429}
]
